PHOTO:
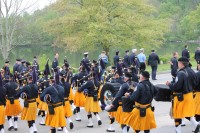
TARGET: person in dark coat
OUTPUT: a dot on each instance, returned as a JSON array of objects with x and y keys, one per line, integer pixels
[
  {"x": 116, "y": 58},
  {"x": 183, "y": 102},
  {"x": 197, "y": 55},
  {"x": 153, "y": 61},
  {"x": 174, "y": 65},
  {"x": 126, "y": 59},
  {"x": 55, "y": 61},
  {"x": 186, "y": 52}
]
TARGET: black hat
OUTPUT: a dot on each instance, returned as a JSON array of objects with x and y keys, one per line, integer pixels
[
  {"x": 145, "y": 74},
  {"x": 127, "y": 51},
  {"x": 183, "y": 59},
  {"x": 28, "y": 63},
  {"x": 35, "y": 57},
  {"x": 7, "y": 61},
  {"x": 23, "y": 61},
  {"x": 113, "y": 67},
  {"x": 18, "y": 59},
  {"x": 51, "y": 78},
  {"x": 95, "y": 62},
  {"x": 128, "y": 75},
  {"x": 152, "y": 50}
]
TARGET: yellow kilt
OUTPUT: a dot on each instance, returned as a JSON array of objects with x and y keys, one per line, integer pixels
[
  {"x": 197, "y": 103},
  {"x": 71, "y": 94},
  {"x": 91, "y": 105},
  {"x": 43, "y": 106},
  {"x": 58, "y": 119},
  {"x": 30, "y": 112},
  {"x": 2, "y": 115},
  {"x": 121, "y": 116},
  {"x": 13, "y": 109},
  {"x": 79, "y": 99},
  {"x": 67, "y": 109},
  {"x": 141, "y": 123},
  {"x": 185, "y": 108}
]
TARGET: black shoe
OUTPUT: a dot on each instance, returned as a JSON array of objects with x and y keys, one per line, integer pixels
[
  {"x": 35, "y": 132},
  {"x": 110, "y": 130},
  {"x": 197, "y": 129},
  {"x": 90, "y": 126},
  {"x": 15, "y": 129},
  {"x": 71, "y": 125},
  {"x": 99, "y": 122},
  {"x": 74, "y": 112},
  {"x": 60, "y": 129},
  {"x": 183, "y": 125},
  {"x": 11, "y": 128}
]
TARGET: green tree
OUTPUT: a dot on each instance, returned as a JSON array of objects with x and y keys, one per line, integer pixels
[
  {"x": 93, "y": 24},
  {"x": 191, "y": 25}
]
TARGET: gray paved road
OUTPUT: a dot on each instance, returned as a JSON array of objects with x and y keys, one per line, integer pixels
[{"x": 164, "y": 123}]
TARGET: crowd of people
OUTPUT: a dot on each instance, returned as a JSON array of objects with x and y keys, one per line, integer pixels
[{"x": 56, "y": 94}]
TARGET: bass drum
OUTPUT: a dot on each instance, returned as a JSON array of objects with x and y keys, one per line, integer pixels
[
  {"x": 108, "y": 92},
  {"x": 164, "y": 93}
]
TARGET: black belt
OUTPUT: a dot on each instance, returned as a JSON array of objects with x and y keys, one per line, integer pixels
[
  {"x": 15, "y": 98},
  {"x": 66, "y": 99},
  {"x": 89, "y": 95},
  {"x": 31, "y": 101},
  {"x": 57, "y": 105},
  {"x": 142, "y": 107}
]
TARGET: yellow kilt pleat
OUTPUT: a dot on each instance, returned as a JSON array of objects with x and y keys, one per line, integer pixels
[
  {"x": 91, "y": 105},
  {"x": 121, "y": 116},
  {"x": 67, "y": 109},
  {"x": 71, "y": 94},
  {"x": 141, "y": 123},
  {"x": 58, "y": 119},
  {"x": 38, "y": 99},
  {"x": 13, "y": 109},
  {"x": 2, "y": 115},
  {"x": 112, "y": 114},
  {"x": 79, "y": 99},
  {"x": 197, "y": 103},
  {"x": 43, "y": 106},
  {"x": 185, "y": 108},
  {"x": 30, "y": 112}
]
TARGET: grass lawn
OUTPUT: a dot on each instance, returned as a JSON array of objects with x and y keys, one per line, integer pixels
[{"x": 166, "y": 67}]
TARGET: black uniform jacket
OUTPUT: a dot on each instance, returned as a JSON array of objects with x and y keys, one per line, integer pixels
[
  {"x": 153, "y": 59},
  {"x": 11, "y": 89},
  {"x": 56, "y": 93},
  {"x": 92, "y": 86},
  {"x": 31, "y": 91},
  {"x": 174, "y": 66},
  {"x": 123, "y": 89},
  {"x": 78, "y": 77},
  {"x": 144, "y": 92},
  {"x": 185, "y": 82},
  {"x": 2, "y": 96}
]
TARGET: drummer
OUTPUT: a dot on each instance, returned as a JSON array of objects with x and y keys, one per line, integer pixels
[
  {"x": 183, "y": 102},
  {"x": 143, "y": 96},
  {"x": 120, "y": 115}
]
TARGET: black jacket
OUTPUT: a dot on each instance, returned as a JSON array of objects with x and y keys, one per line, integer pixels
[{"x": 153, "y": 59}]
